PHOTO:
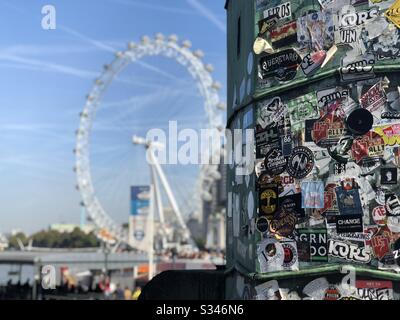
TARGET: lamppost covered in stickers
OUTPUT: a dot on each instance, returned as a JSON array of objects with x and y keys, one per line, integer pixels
[{"x": 325, "y": 99}]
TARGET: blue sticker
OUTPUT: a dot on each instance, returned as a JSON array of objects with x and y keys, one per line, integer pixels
[
  {"x": 348, "y": 201},
  {"x": 312, "y": 194}
]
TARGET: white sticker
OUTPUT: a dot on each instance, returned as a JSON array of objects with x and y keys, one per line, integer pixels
[
  {"x": 316, "y": 288},
  {"x": 282, "y": 11}
]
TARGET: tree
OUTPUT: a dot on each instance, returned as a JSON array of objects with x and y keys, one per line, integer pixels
[{"x": 13, "y": 242}]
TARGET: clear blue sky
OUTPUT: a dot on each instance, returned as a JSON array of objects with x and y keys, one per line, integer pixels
[{"x": 45, "y": 76}]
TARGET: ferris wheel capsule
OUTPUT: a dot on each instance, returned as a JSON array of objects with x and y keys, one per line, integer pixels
[
  {"x": 216, "y": 85},
  {"x": 221, "y": 106},
  {"x": 206, "y": 196},
  {"x": 159, "y": 36},
  {"x": 131, "y": 45},
  {"x": 119, "y": 54},
  {"x": 186, "y": 44},
  {"x": 198, "y": 54},
  {"x": 209, "y": 68},
  {"x": 173, "y": 38},
  {"x": 84, "y": 114},
  {"x": 145, "y": 40}
]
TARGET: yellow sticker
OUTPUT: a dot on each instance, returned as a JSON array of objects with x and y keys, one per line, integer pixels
[
  {"x": 389, "y": 133},
  {"x": 393, "y": 13}
]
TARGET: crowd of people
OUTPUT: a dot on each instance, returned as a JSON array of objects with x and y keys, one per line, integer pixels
[{"x": 16, "y": 291}]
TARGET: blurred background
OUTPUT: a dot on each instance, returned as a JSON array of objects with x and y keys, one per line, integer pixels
[{"x": 61, "y": 86}]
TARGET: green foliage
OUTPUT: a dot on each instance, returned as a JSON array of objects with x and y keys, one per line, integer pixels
[
  {"x": 13, "y": 243},
  {"x": 200, "y": 243},
  {"x": 54, "y": 239}
]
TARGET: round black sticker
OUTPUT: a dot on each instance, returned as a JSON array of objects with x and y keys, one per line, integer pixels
[
  {"x": 262, "y": 224},
  {"x": 274, "y": 162},
  {"x": 300, "y": 162}
]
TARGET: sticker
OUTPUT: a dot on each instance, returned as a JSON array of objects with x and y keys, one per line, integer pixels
[
  {"x": 267, "y": 24},
  {"x": 283, "y": 223},
  {"x": 302, "y": 108},
  {"x": 290, "y": 261},
  {"x": 348, "y": 251},
  {"x": 309, "y": 125},
  {"x": 325, "y": 3},
  {"x": 264, "y": 179},
  {"x": 332, "y": 293},
  {"x": 389, "y": 176},
  {"x": 393, "y": 14},
  {"x": 268, "y": 200},
  {"x": 349, "y": 223},
  {"x": 275, "y": 162},
  {"x": 266, "y": 139},
  {"x": 261, "y": 45},
  {"x": 349, "y": 298},
  {"x": 286, "y": 145},
  {"x": 312, "y": 61},
  {"x": 374, "y": 98},
  {"x": 330, "y": 201},
  {"x": 393, "y": 223},
  {"x": 292, "y": 203},
  {"x": 351, "y": 26},
  {"x": 348, "y": 201},
  {"x": 339, "y": 168},
  {"x": 270, "y": 255},
  {"x": 284, "y": 35},
  {"x": 316, "y": 288},
  {"x": 368, "y": 148},
  {"x": 270, "y": 111},
  {"x": 357, "y": 18},
  {"x": 300, "y": 162},
  {"x": 392, "y": 204},
  {"x": 317, "y": 242},
  {"x": 361, "y": 237},
  {"x": 328, "y": 131},
  {"x": 379, "y": 215},
  {"x": 288, "y": 185},
  {"x": 281, "y": 65},
  {"x": 312, "y": 194},
  {"x": 380, "y": 196},
  {"x": 315, "y": 31},
  {"x": 283, "y": 11},
  {"x": 389, "y": 133},
  {"x": 349, "y": 74},
  {"x": 382, "y": 4},
  {"x": 268, "y": 291},
  {"x": 380, "y": 246},
  {"x": 330, "y": 95},
  {"x": 374, "y": 289},
  {"x": 262, "y": 224}
]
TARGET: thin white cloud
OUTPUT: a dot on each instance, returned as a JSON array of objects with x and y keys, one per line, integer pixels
[
  {"x": 48, "y": 66},
  {"x": 208, "y": 14},
  {"x": 101, "y": 45},
  {"x": 41, "y": 50},
  {"x": 96, "y": 43}
]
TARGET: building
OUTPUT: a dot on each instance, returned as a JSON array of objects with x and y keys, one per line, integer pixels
[{"x": 69, "y": 227}]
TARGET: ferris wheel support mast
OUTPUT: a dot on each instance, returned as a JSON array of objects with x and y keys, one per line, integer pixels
[
  {"x": 156, "y": 168},
  {"x": 157, "y": 199}
]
